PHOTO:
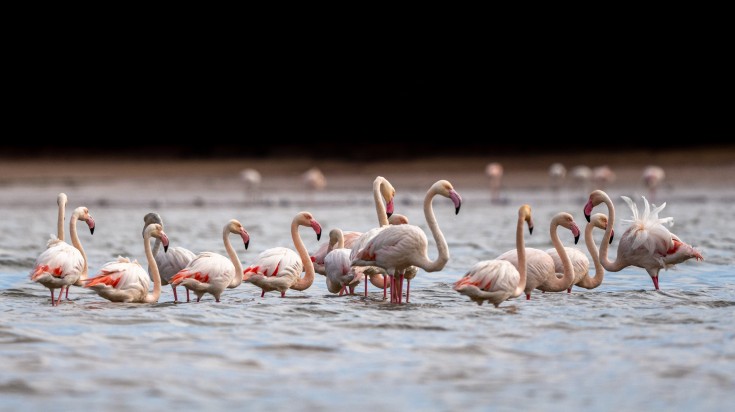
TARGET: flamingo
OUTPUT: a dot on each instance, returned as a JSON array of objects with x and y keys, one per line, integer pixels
[
  {"x": 62, "y": 264},
  {"x": 279, "y": 268},
  {"x": 497, "y": 280},
  {"x": 603, "y": 176},
  {"x": 494, "y": 171},
  {"x": 251, "y": 181},
  {"x": 340, "y": 275},
  {"x": 212, "y": 273},
  {"x": 170, "y": 262},
  {"x": 126, "y": 281},
  {"x": 582, "y": 176},
  {"x": 557, "y": 173},
  {"x": 396, "y": 248},
  {"x": 580, "y": 263},
  {"x": 653, "y": 177},
  {"x": 646, "y": 244},
  {"x": 541, "y": 272},
  {"x": 314, "y": 179}
]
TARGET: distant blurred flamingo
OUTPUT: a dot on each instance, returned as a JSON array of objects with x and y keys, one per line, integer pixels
[
  {"x": 603, "y": 176},
  {"x": 314, "y": 179},
  {"x": 541, "y": 272},
  {"x": 580, "y": 263},
  {"x": 646, "y": 243},
  {"x": 61, "y": 264},
  {"x": 126, "y": 281},
  {"x": 396, "y": 248},
  {"x": 582, "y": 178},
  {"x": 557, "y": 174},
  {"x": 170, "y": 262},
  {"x": 494, "y": 171},
  {"x": 211, "y": 272},
  {"x": 251, "y": 182},
  {"x": 498, "y": 280},
  {"x": 280, "y": 268},
  {"x": 653, "y": 177}
]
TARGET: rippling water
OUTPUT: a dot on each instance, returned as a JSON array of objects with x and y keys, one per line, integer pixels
[{"x": 622, "y": 346}]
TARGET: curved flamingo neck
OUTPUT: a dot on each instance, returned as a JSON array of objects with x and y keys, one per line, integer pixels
[
  {"x": 77, "y": 243},
  {"x": 340, "y": 244},
  {"x": 521, "y": 251},
  {"x": 308, "y": 279},
  {"x": 604, "y": 246},
  {"x": 378, "y": 197},
  {"x": 60, "y": 219},
  {"x": 153, "y": 269},
  {"x": 553, "y": 283},
  {"x": 233, "y": 257},
  {"x": 156, "y": 246},
  {"x": 441, "y": 243},
  {"x": 592, "y": 282}
]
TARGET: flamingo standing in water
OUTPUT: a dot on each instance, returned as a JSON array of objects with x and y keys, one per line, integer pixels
[
  {"x": 494, "y": 171},
  {"x": 647, "y": 243},
  {"x": 497, "y": 280},
  {"x": 541, "y": 272},
  {"x": 653, "y": 177},
  {"x": 580, "y": 263},
  {"x": 557, "y": 174},
  {"x": 251, "y": 182},
  {"x": 211, "y": 272},
  {"x": 171, "y": 261},
  {"x": 61, "y": 264},
  {"x": 126, "y": 281},
  {"x": 397, "y": 248},
  {"x": 340, "y": 275},
  {"x": 603, "y": 176},
  {"x": 280, "y": 268}
]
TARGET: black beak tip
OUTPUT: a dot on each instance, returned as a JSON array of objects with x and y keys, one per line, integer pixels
[
  {"x": 247, "y": 244},
  {"x": 456, "y": 211},
  {"x": 318, "y": 236},
  {"x": 389, "y": 214},
  {"x": 586, "y": 216},
  {"x": 91, "y": 231},
  {"x": 611, "y": 238},
  {"x": 530, "y": 230},
  {"x": 165, "y": 248},
  {"x": 576, "y": 239}
]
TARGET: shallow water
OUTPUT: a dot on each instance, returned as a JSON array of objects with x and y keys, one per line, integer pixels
[{"x": 620, "y": 346}]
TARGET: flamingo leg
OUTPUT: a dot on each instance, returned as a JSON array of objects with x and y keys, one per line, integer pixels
[
  {"x": 283, "y": 294},
  {"x": 400, "y": 291},
  {"x": 176, "y": 298},
  {"x": 67, "y": 293},
  {"x": 262, "y": 293},
  {"x": 366, "y": 287},
  {"x": 528, "y": 296},
  {"x": 187, "y": 294},
  {"x": 408, "y": 289},
  {"x": 655, "y": 281},
  {"x": 61, "y": 292},
  {"x": 53, "y": 298}
]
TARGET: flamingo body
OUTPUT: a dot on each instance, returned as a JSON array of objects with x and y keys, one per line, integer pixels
[
  {"x": 121, "y": 280},
  {"x": 59, "y": 266}
]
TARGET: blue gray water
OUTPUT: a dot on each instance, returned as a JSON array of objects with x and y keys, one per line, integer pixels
[{"x": 622, "y": 346}]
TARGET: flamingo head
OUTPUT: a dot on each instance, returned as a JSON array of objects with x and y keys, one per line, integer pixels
[
  {"x": 444, "y": 188},
  {"x": 306, "y": 219},
  {"x": 388, "y": 193},
  {"x": 596, "y": 197},
  {"x": 599, "y": 220},
  {"x": 234, "y": 226},
  {"x": 156, "y": 230},
  {"x": 566, "y": 220},
  {"x": 82, "y": 213},
  {"x": 524, "y": 213},
  {"x": 149, "y": 218},
  {"x": 397, "y": 219}
]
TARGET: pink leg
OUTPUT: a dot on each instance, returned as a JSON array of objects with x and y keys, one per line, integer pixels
[
  {"x": 53, "y": 298},
  {"x": 67, "y": 293},
  {"x": 61, "y": 292},
  {"x": 262, "y": 293},
  {"x": 176, "y": 298},
  {"x": 187, "y": 294},
  {"x": 528, "y": 296},
  {"x": 342, "y": 291},
  {"x": 366, "y": 281},
  {"x": 569, "y": 290},
  {"x": 400, "y": 291},
  {"x": 655, "y": 282},
  {"x": 408, "y": 289},
  {"x": 283, "y": 294}
]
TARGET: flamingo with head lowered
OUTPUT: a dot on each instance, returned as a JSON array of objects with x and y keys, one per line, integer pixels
[
  {"x": 171, "y": 261},
  {"x": 397, "y": 248},
  {"x": 646, "y": 243}
]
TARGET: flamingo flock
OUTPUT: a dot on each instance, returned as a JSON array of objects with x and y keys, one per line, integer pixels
[{"x": 387, "y": 255}]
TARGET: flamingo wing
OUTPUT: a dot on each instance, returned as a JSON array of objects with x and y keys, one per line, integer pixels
[
  {"x": 205, "y": 270},
  {"x": 172, "y": 262},
  {"x": 121, "y": 281},
  {"x": 58, "y": 261}
]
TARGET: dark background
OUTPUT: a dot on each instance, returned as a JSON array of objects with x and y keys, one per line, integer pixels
[{"x": 242, "y": 108}]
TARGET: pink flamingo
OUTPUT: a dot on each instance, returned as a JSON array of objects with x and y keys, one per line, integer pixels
[
  {"x": 397, "y": 248},
  {"x": 541, "y": 272},
  {"x": 498, "y": 280},
  {"x": 126, "y": 281},
  {"x": 212, "y": 273},
  {"x": 580, "y": 263},
  {"x": 653, "y": 177},
  {"x": 494, "y": 171},
  {"x": 603, "y": 176},
  {"x": 280, "y": 268},
  {"x": 382, "y": 191},
  {"x": 170, "y": 262},
  {"x": 646, "y": 243},
  {"x": 340, "y": 275},
  {"x": 62, "y": 264}
]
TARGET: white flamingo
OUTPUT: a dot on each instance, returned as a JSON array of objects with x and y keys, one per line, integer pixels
[
  {"x": 280, "y": 268},
  {"x": 646, "y": 243},
  {"x": 212, "y": 273},
  {"x": 541, "y": 272},
  {"x": 340, "y": 275},
  {"x": 397, "y": 248},
  {"x": 498, "y": 280},
  {"x": 126, "y": 281},
  {"x": 170, "y": 262},
  {"x": 61, "y": 264},
  {"x": 494, "y": 171},
  {"x": 580, "y": 262},
  {"x": 653, "y": 177}
]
